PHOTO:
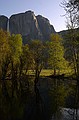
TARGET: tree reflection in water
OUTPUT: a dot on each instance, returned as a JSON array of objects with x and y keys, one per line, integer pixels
[{"x": 39, "y": 102}]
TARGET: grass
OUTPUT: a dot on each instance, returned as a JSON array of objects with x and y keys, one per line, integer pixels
[
  {"x": 48, "y": 72},
  {"x": 44, "y": 72}
]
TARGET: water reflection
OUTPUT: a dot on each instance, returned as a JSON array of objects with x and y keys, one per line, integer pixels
[{"x": 45, "y": 101}]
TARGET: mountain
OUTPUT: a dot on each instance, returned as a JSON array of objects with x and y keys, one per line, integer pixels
[
  {"x": 64, "y": 33},
  {"x": 45, "y": 27},
  {"x": 3, "y": 22},
  {"x": 28, "y": 25}
]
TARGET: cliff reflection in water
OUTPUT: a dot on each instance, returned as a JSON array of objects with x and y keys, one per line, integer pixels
[{"x": 41, "y": 102}]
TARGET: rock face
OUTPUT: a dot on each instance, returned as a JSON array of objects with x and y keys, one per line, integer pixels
[
  {"x": 45, "y": 27},
  {"x": 28, "y": 25},
  {"x": 3, "y": 22}
]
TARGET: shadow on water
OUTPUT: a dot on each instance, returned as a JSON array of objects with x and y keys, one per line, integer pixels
[{"x": 41, "y": 102}]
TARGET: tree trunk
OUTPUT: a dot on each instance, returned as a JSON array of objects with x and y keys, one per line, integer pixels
[{"x": 54, "y": 71}]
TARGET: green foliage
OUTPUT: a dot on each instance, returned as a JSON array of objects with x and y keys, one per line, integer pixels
[
  {"x": 4, "y": 47},
  {"x": 25, "y": 59},
  {"x": 37, "y": 51},
  {"x": 72, "y": 14},
  {"x": 4, "y": 52},
  {"x": 56, "y": 53},
  {"x": 15, "y": 47},
  {"x": 10, "y": 51},
  {"x": 72, "y": 49}
]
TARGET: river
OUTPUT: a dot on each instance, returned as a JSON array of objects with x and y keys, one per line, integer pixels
[{"x": 51, "y": 99}]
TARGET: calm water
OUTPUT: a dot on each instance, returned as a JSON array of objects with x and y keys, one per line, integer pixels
[{"x": 50, "y": 100}]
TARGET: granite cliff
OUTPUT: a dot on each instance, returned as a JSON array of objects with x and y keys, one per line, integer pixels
[
  {"x": 45, "y": 27},
  {"x": 28, "y": 25},
  {"x": 3, "y": 22}
]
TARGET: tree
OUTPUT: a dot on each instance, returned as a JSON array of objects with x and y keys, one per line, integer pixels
[
  {"x": 37, "y": 50},
  {"x": 72, "y": 12},
  {"x": 4, "y": 53},
  {"x": 56, "y": 53},
  {"x": 25, "y": 60},
  {"x": 71, "y": 8},
  {"x": 15, "y": 44},
  {"x": 4, "y": 59}
]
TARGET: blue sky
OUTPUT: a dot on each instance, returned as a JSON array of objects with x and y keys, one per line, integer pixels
[{"x": 47, "y": 8}]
